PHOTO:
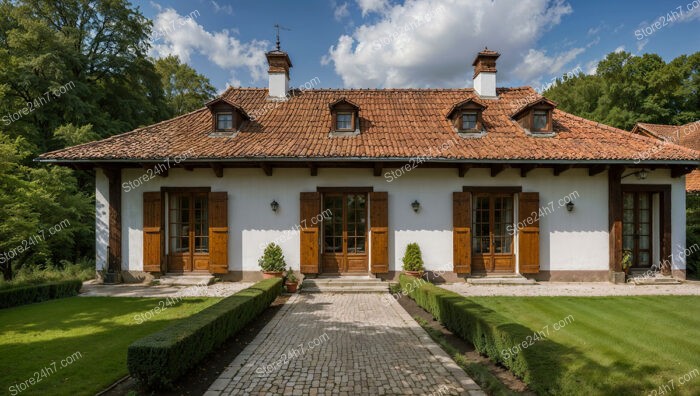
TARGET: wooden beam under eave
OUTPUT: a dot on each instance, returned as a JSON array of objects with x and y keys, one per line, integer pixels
[
  {"x": 313, "y": 169},
  {"x": 525, "y": 169},
  {"x": 559, "y": 169},
  {"x": 678, "y": 171},
  {"x": 266, "y": 168},
  {"x": 217, "y": 168},
  {"x": 496, "y": 169},
  {"x": 596, "y": 169},
  {"x": 463, "y": 169},
  {"x": 378, "y": 169}
]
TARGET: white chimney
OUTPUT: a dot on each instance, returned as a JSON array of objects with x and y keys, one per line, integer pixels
[
  {"x": 278, "y": 72},
  {"x": 485, "y": 73}
]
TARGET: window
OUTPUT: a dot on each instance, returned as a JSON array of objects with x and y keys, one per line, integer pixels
[
  {"x": 469, "y": 121},
  {"x": 224, "y": 121},
  {"x": 343, "y": 122},
  {"x": 540, "y": 120}
]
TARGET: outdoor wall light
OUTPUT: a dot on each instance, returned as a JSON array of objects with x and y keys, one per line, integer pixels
[
  {"x": 641, "y": 174},
  {"x": 275, "y": 206},
  {"x": 416, "y": 206},
  {"x": 570, "y": 206}
]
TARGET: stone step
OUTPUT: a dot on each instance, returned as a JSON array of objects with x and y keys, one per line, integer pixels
[
  {"x": 186, "y": 280},
  {"x": 345, "y": 289},
  {"x": 507, "y": 280},
  {"x": 641, "y": 281},
  {"x": 344, "y": 284}
]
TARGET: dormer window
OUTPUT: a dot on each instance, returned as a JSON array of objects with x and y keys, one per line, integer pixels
[
  {"x": 343, "y": 122},
  {"x": 466, "y": 117},
  {"x": 345, "y": 117},
  {"x": 227, "y": 117},
  {"x": 469, "y": 121},
  {"x": 536, "y": 117},
  {"x": 224, "y": 122}
]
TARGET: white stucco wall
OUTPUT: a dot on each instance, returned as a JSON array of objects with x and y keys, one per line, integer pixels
[
  {"x": 101, "y": 219},
  {"x": 575, "y": 240}
]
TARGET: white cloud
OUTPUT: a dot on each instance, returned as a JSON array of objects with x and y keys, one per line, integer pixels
[
  {"x": 424, "y": 43},
  {"x": 619, "y": 49},
  {"x": 183, "y": 36},
  {"x": 641, "y": 44},
  {"x": 592, "y": 66},
  {"x": 341, "y": 12},
  {"x": 369, "y": 6},
  {"x": 226, "y": 9}
]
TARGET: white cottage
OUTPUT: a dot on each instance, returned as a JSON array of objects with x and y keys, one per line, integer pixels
[{"x": 486, "y": 180}]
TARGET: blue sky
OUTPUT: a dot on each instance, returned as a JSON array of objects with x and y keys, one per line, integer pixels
[{"x": 416, "y": 43}]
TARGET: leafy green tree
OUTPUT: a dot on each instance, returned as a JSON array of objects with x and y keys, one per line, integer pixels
[
  {"x": 627, "y": 89},
  {"x": 185, "y": 89}
]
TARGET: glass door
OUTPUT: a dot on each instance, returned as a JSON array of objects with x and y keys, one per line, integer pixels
[
  {"x": 344, "y": 233},
  {"x": 637, "y": 227},
  {"x": 188, "y": 232},
  {"x": 492, "y": 245}
]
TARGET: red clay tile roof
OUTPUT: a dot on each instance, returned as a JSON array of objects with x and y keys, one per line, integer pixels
[
  {"x": 395, "y": 123},
  {"x": 692, "y": 181},
  {"x": 687, "y": 135}
]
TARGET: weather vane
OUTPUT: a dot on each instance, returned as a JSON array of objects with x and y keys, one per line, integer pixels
[{"x": 278, "y": 27}]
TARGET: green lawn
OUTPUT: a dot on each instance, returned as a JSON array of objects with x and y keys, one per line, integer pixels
[
  {"x": 95, "y": 331},
  {"x": 611, "y": 345}
]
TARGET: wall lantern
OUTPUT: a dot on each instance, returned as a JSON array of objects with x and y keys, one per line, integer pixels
[
  {"x": 642, "y": 174},
  {"x": 275, "y": 206},
  {"x": 416, "y": 206},
  {"x": 570, "y": 206}
]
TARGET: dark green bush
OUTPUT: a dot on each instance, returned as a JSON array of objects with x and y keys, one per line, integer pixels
[
  {"x": 158, "y": 359},
  {"x": 489, "y": 332},
  {"x": 37, "y": 293}
]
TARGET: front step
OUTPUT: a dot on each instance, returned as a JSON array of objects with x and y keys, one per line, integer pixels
[
  {"x": 505, "y": 279},
  {"x": 657, "y": 279},
  {"x": 344, "y": 284},
  {"x": 186, "y": 280}
]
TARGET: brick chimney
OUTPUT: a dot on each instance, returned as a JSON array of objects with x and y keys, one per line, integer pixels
[
  {"x": 278, "y": 72},
  {"x": 485, "y": 73}
]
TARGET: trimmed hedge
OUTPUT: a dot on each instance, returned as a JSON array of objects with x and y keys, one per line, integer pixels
[
  {"x": 489, "y": 332},
  {"x": 37, "y": 293},
  {"x": 158, "y": 359}
]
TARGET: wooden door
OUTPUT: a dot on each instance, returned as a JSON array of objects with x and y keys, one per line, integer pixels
[
  {"x": 188, "y": 232},
  {"x": 344, "y": 233},
  {"x": 637, "y": 227},
  {"x": 492, "y": 243}
]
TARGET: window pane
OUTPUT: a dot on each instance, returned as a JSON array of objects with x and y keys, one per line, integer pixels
[
  {"x": 540, "y": 120},
  {"x": 343, "y": 121},
  {"x": 224, "y": 121},
  {"x": 468, "y": 121}
]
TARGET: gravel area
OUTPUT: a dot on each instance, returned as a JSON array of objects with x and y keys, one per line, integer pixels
[
  {"x": 219, "y": 289},
  {"x": 574, "y": 289}
]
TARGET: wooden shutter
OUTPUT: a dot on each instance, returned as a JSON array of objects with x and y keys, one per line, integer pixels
[
  {"x": 218, "y": 232},
  {"x": 152, "y": 232},
  {"x": 462, "y": 232},
  {"x": 310, "y": 208},
  {"x": 379, "y": 231},
  {"x": 529, "y": 235}
]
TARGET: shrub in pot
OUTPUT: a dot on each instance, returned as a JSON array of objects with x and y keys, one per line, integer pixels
[
  {"x": 292, "y": 282},
  {"x": 272, "y": 262},
  {"x": 413, "y": 260}
]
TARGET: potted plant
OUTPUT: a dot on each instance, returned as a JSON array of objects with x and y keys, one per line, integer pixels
[
  {"x": 272, "y": 262},
  {"x": 413, "y": 261},
  {"x": 626, "y": 261},
  {"x": 292, "y": 282}
]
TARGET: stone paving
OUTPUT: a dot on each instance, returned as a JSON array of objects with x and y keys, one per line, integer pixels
[
  {"x": 222, "y": 289},
  {"x": 584, "y": 289},
  {"x": 343, "y": 344}
]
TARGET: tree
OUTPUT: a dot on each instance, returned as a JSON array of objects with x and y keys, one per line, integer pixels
[
  {"x": 185, "y": 89},
  {"x": 627, "y": 89}
]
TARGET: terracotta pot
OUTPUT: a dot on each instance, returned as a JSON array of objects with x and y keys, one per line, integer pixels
[
  {"x": 292, "y": 286},
  {"x": 415, "y": 274},
  {"x": 272, "y": 274}
]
